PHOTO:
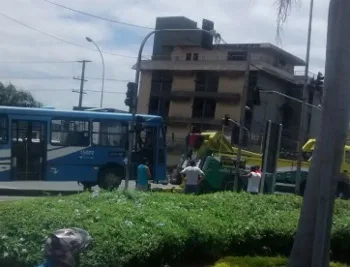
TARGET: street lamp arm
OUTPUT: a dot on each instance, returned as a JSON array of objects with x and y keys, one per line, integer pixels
[
  {"x": 103, "y": 68},
  {"x": 239, "y": 125},
  {"x": 290, "y": 97}
]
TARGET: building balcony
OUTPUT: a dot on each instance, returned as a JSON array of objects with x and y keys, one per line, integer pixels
[
  {"x": 185, "y": 95},
  {"x": 233, "y": 98},
  {"x": 184, "y": 121}
]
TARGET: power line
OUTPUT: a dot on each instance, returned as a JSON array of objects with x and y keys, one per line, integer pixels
[
  {"x": 36, "y": 62},
  {"x": 60, "y": 39},
  {"x": 64, "y": 90},
  {"x": 61, "y": 78},
  {"x": 99, "y": 17}
]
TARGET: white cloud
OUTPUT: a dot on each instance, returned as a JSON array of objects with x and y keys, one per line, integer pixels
[{"x": 236, "y": 20}]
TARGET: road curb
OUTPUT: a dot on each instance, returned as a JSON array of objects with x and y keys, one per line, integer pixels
[{"x": 34, "y": 192}]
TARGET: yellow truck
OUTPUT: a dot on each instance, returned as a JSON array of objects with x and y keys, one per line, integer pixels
[{"x": 216, "y": 147}]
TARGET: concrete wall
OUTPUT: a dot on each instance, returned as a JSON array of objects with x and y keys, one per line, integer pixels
[
  {"x": 230, "y": 83},
  {"x": 144, "y": 92},
  {"x": 270, "y": 103}
]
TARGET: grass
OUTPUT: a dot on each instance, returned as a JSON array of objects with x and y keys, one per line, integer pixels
[{"x": 158, "y": 229}]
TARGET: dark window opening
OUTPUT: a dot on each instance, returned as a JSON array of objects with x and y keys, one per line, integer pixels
[
  {"x": 252, "y": 98},
  {"x": 311, "y": 97},
  {"x": 308, "y": 122},
  {"x": 207, "y": 81},
  {"x": 67, "y": 132},
  {"x": 195, "y": 56},
  {"x": 158, "y": 106},
  {"x": 160, "y": 88},
  {"x": 188, "y": 56},
  {"x": 109, "y": 133},
  {"x": 282, "y": 62},
  {"x": 4, "y": 129},
  {"x": 248, "y": 119},
  {"x": 164, "y": 76},
  {"x": 237, "y": 56},
  {"x": 203, "y": 108}
]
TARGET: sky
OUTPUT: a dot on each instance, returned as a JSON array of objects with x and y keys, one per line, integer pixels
[{"x": 46, "y": 66}]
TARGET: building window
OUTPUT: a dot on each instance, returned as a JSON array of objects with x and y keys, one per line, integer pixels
[
  {"x": 237, "y": 56},
  {"x": 188, "y": 56},
  {"x": 4, "y": 129},
  {"x": 158, "y": 106},
  {"x": 68, "y": 132},
  {"x": 109, "y": 133},
  {"x": 207, "y": 81},
  {"x": 160, "y": 88},
  {"x": 311, "y": 97},
  {"x": 308, "y": 122},
  {"x": 195, "y": 56},
  {"x": 203, "y": 108}
]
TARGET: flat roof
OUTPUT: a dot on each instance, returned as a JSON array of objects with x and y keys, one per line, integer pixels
[
  {"x": 73, "y": 113},
  {"x": 266, "y": 46}
]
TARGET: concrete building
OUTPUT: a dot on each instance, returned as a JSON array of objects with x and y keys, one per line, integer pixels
[{"x": 192, "y": 81}]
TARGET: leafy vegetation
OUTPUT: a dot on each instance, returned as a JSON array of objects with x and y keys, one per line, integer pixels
[
  {"x": 11, "y": 96},
  {"x": 155, "y": 229},
  {"x": 258, "y": 262}
]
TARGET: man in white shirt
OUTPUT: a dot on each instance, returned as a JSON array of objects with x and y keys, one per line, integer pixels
[
  {"x": 254, "y": 178},
  {"x": 194, "y": 176}
]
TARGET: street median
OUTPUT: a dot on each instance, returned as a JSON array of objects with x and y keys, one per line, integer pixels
[{"x": 158, "y": 229}]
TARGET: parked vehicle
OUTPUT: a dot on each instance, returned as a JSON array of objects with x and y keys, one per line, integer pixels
[
  {"x": 89, "y": 147},
  {"x": 217, "y": 158}
]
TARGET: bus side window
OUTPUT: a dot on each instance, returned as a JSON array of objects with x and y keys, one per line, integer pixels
[
  {"x": 109, "y": 133},
  {"x": 70, "y": 132},
  {"x": 4, "y": 129}
]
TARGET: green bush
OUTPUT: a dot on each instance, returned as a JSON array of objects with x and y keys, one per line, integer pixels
[{"x": 155, "y": 229}]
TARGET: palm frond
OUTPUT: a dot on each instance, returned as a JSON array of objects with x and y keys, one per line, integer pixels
[{"x": 283, "y": 11}]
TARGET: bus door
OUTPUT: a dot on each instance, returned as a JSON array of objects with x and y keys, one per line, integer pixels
[
  {"x": 29, "y": 147},
  {"x": 161, "y": 162},
  {"x": 5, "y": 149}
]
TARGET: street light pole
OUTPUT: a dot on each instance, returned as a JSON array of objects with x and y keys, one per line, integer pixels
[
  {"x": 303, "y": 107},
  {"x": 137, "y": 78},
  {"x": 103, "y": 69},
  {"x": 242, "y": 120}
]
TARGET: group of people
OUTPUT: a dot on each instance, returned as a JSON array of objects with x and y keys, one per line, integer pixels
[{"x": 194, "y": 176}]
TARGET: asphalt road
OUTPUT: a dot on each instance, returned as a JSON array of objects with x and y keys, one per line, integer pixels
[{"x": 53, "y": 186}]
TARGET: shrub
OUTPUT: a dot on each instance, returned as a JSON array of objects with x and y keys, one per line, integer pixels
[{"x": 154, "y": 229}]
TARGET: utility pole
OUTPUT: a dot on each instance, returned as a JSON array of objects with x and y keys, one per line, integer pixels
[
  {"x": 303, "y": 107},
  {"x": 242, "y": 119},
  {"x": 82, "y": 80}
]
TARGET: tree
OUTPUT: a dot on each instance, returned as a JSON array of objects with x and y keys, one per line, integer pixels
[
  {"x": 10, "y": 96},
  {"x": 316, "y": 213}
]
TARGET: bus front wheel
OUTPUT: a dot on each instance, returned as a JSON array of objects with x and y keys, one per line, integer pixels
[{"x": 110, "y": 179}]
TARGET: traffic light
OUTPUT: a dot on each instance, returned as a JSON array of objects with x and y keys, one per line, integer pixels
[
  {"x": 226, "y": 120},
  {"x": 319, "y": 82},
  {"x": 131, "y": 95}
]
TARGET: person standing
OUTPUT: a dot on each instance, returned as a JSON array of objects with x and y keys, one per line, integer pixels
[
  {"x": 194, "y": 176},
  {"x": 143, "y": 176},
  {"x": 254, "y": 179}
]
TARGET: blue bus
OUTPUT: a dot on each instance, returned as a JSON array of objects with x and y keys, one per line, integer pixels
[{"x": 89, "y": 147}]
